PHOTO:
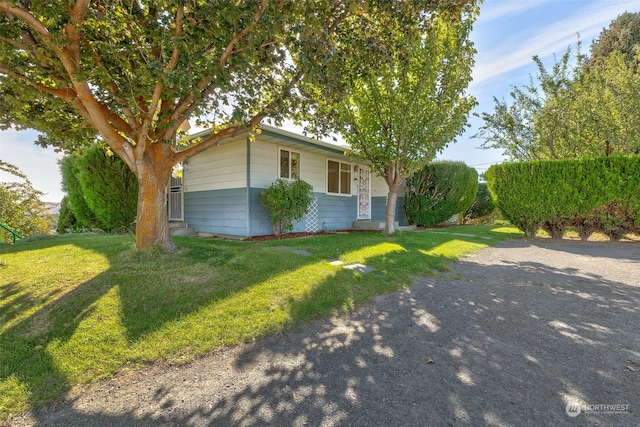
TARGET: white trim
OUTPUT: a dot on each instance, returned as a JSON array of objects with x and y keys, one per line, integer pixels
[
  {"x": 175, "y": 199},
  {"x": 326, "y": 178},
  {"x": 290, "y": 151},
  {"x": 360, "y": 193}
]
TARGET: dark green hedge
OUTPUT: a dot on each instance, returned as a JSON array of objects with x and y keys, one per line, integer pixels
[
  {"x": 439, "y": 191},
  {"x": 482, "y": 205},
  {"x": 101, "y": 192},
  {"x": 591, "y": 194}
]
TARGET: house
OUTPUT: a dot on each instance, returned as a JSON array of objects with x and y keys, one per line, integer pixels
[{"x": 219, "y": 191}]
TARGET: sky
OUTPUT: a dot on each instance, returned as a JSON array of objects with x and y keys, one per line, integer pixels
[{"x": 507, "y": 34}]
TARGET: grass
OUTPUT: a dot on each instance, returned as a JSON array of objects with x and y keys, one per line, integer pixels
[{"x": 77, "y": 309}]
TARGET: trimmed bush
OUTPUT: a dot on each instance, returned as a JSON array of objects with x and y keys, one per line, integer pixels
[
  {"x": 109, "y": 188},
  {"x": 439, "y": 191},
  {"x": 101, "y": 191},
  {"x": 286, "y": 202},
  {"x": 591, "y": 194},
  {"x": 83, "y": 216}
]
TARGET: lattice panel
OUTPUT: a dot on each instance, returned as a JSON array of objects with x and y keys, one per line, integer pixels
[{"x": 311, "y": 218}]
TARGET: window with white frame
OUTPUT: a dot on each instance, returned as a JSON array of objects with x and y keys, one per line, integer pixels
[
  {"x": 338, "y": 177},
  {"x": 289, "y": 164}
]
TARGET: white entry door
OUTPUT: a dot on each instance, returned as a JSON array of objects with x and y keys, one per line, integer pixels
[
  {"x": 364, "y": 193},
  {"x": 176, "y": 199}
]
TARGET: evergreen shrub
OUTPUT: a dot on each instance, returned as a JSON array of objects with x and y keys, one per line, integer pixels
[{"x": 439, "y": 191}]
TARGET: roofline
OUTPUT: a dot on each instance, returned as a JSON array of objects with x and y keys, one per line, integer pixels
[{"x": 288, "y": 135}]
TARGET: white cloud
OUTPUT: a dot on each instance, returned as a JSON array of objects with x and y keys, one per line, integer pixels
[
  {"x": 502, "y": 9},
  {"x": 552, "y": 39}
]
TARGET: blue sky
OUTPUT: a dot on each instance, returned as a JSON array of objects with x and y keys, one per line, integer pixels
[{"x": 507, "y": 35}]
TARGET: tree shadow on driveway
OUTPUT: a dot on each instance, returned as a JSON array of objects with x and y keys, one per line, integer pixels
[{"x": 510, "y": 337}]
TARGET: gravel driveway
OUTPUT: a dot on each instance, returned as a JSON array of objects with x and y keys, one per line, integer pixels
[{"x": 538, "y": 333}]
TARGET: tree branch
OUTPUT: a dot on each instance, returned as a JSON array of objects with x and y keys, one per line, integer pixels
[
  {"x": 29, "y": 19},
  {"x": 236, "y": 130},
  {"x": 66, "y": 94},
  {"x": 240, "y": 35}
]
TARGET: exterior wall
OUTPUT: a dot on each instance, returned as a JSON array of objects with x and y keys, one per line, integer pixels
[
  {"x": 334, "y": 213},
  {"x": 219, "y": 197},
  {"x": 379, "y": 187},
  {"x": 379, "y": 192},
  {"x": 217, "y": 211},
  {"x": 264, "y": 165},
  {"x": 379, "y": 208},
  {"x": 217, "y": 168}
]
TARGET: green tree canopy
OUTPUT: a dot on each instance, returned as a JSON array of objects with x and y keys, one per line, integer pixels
[
  {"x": 576, "y": 109},
  {"x": 533, "y": 124},
  {"x": 400, "y": 114},
  {"x": 133, "y": 72},
  {"x": 622, "y": 35}
]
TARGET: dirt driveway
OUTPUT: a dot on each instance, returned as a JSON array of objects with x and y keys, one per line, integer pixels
[{"x": 535, "y": 333}]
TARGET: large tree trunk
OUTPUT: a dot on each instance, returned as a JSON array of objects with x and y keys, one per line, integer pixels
[
  {"x": 152, "y": 219},
  {"x": 390, "y": 215}
]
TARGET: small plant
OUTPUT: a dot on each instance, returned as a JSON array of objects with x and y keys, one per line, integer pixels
[{"x": 286, "y": 202}]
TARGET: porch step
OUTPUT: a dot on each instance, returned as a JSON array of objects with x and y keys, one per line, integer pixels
[
  {"x": 378, "y": 225},
  {"x": 369, "y": 225},
  {"x": 181, "y": 228}
]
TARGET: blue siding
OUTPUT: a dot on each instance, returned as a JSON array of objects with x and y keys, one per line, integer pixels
[
  {"x": 217, "y": 211},
  {"x": 259, "y": 223},
  {"x": 226, "y": 212},
  {"x": 334, "y": 213},
  {"x": 379, "y": 208}
]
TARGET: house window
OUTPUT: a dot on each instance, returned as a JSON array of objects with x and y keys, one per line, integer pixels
[
  {"x": 289, "y": 164},
  {"x": 338, "y": 177}
]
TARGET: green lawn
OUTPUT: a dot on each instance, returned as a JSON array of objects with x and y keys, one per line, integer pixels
[{"x": 75, "y": 309}]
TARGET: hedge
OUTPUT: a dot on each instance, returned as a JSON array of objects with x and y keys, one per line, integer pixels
[
  {"x": 482, "y": 206},
  {"x": 591, "y": 194},
  {"x": 439, "y": 191}
]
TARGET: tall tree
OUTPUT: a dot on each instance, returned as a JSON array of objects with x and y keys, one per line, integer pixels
[
  {"x": 532, "y": 125},
  {"x": 399, "y": 115},
  {"x": 603, "y": 118},
  {"x": 622, "y": 35},
  {"x": 133, "y": 72},
  {"x": 572, "y": 110}
]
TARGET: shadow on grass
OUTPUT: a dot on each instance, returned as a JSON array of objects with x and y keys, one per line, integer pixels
[
  {"x": 506, "y": 342},
  {"x": 147, "y": 306}
]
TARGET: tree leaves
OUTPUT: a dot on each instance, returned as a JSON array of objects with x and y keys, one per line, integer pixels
[{"x": 580, "y": 107}]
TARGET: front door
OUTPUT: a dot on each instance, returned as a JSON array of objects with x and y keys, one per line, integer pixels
[
  {"x": 364, "y": 193},
  {"x": 176, "y": 199}
]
